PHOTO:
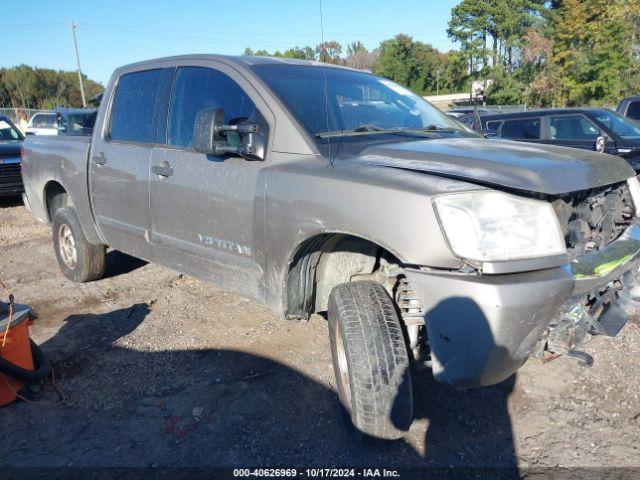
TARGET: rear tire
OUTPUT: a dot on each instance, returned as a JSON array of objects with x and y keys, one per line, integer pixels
[
  {"x": 79, "y": 260},
  {"x": 370, "y": 360}
]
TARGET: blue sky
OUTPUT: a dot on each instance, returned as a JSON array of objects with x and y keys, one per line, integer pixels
[{"x": 115, "y": 32}]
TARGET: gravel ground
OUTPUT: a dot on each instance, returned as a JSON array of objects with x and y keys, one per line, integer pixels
[{"x": 159, "y": 369}]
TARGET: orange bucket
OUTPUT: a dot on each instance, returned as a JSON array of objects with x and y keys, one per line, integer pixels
[{"x": 17, "y": 351}]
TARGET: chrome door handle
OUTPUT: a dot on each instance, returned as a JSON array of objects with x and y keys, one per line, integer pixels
[{"x": 162, "y": 170}]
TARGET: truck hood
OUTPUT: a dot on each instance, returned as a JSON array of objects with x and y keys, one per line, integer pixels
[
  {"x": 516, "y": 165},
  {"x": 10, "y": 149}
]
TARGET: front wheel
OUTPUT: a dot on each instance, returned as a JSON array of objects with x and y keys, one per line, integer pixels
[
  {"x": 79, "y": 260},
  {"x": 370, "y": 360}
]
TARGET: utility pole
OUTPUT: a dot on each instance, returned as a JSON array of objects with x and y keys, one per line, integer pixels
[
  {"x": 437, "y": 82},
  {"x": 75, "y": 44}
]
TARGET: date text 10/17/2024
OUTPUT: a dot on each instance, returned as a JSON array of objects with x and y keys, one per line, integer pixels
[{"x": 317, "y": 472}]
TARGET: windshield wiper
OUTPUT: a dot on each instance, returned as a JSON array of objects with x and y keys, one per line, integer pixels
[{"x": 436, "y": 128}]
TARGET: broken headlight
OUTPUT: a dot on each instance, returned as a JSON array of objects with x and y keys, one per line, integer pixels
[{"x": 491, "y": 226}]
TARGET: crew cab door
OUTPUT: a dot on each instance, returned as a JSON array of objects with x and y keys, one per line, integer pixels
[
  {"x": 206, "y": 213},
  {"x": 119, "y": 163}
]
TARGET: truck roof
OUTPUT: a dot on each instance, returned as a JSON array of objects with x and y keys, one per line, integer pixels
[{"x": 242, "y": 61}]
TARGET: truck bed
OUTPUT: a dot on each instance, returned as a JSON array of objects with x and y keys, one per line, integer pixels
[{"x": 51, "y": 160}]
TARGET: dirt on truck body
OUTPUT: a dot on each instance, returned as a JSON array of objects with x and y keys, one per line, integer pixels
[{"x": 317, "y": 189}]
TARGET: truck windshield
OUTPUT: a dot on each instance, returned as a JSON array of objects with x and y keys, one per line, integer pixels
[{"x": 356, "y": 103}]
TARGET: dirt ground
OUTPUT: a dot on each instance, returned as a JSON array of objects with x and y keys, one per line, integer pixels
[{"x": 159, "y": 370}]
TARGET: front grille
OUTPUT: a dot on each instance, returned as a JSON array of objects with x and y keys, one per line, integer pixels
[
  {"x": 10, "y": 178},
  {"x": 592, "y": 219}
]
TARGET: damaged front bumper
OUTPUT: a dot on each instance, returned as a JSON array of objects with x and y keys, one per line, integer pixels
[{"x": 482, "y": 328}]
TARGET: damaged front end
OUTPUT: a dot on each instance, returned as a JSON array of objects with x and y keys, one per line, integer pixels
[
  {"x": 482, "y": 326},
  {"x": 606, "y": 292}
]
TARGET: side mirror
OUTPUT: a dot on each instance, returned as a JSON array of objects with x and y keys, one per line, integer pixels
[
  {"x": 211, "y": 136},
  {"x": 205, "y": 132},
  {"x": 600, "y": 144}
]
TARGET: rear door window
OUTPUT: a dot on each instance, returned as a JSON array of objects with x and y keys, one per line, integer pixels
[
  {"x": 133, "y": 113},
  {"x": 197, "y": 88},
  {"x": 521, "y": 129},
  {"x": 634, "y": 110},
  {"x": 572, "y": 127}
]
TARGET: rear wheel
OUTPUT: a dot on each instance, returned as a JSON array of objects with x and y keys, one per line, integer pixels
[
  {"x": 370, "y": 360},
  {"x": 79, "y": 260}
]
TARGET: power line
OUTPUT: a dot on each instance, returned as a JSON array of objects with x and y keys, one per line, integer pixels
[{"x": 142, "y": 30}]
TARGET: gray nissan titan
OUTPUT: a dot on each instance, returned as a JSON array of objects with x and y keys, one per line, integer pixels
[{"x": 314, "y": 188}]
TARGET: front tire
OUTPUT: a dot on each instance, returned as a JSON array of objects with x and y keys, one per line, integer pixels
[
  {"x": 370, "y": 360},
  {"x": 79, "y": 260}
]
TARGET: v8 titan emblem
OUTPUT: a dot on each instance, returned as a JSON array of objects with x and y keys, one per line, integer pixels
[{"x": 224, "y": 245}]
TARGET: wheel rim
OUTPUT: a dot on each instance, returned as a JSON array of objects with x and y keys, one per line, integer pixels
[
  {"x": 343, "y": 369},
  {"x": 67, "y": 247}
]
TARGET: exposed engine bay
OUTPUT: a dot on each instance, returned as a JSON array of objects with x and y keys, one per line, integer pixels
[{"x": 592, "y": 219}]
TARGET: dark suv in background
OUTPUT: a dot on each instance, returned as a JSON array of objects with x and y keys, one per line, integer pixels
[{"x": 597, "y": 129}]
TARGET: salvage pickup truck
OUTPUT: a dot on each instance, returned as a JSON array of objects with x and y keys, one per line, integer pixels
[{"x": 315, "y": 188}]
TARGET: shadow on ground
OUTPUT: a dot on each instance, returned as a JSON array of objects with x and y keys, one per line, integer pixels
[
  {"x": 140, "y": 405},
  {"x": 211, "y": 407},
  {"x": 119, "y": 263}
]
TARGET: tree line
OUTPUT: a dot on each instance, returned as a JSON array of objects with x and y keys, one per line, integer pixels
[
  {"x": 558, "y": 52},
  {"x": 414, "y": 64},
  {"x": 42, "y": 88},
  {"x": 535, "y": 52}
]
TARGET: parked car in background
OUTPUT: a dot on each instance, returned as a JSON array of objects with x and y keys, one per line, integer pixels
[
  {"x": 10, "y": 142},
  {"x": 598, "y": 129},
  {"x": 630, "y": 108},
  {"x": 42, "y": 123},
  {"x": 63, "y": 121}
]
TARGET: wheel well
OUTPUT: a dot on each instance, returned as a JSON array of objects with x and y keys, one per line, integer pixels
[
  {"x": 323, "y": 262},
  {"x": 55, "y": 197}
]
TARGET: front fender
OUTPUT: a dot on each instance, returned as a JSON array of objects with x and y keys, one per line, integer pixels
[{"x": 388, "y": 207}]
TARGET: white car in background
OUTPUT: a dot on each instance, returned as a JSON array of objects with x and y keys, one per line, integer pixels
[
  {"x": 62, "y": 121},
  {"x": 42, "y": 124}
]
